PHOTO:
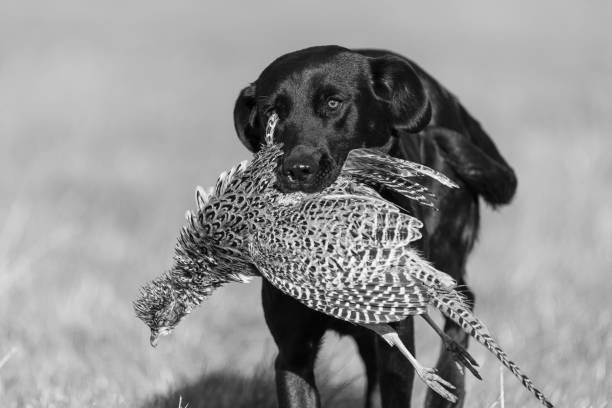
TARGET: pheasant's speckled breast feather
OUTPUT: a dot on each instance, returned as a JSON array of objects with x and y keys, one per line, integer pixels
[{"x": 214, "y": 238}]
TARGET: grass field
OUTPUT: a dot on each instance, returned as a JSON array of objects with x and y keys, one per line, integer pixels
[{"x": 111, "y": 113}]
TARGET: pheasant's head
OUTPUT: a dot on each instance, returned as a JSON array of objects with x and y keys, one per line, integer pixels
[{"x": 162, "y": 305}]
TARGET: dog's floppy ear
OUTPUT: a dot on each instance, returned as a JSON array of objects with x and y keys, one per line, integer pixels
[
  {"x": 246, "y": 120},
  {"x": 396, "y": 84}
]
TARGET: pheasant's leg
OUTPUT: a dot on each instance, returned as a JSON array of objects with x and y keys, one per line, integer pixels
[
  {"x": 460, "y": 354},
  {"x": 428, "y": 375}
]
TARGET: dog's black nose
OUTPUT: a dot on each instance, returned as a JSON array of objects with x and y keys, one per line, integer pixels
[{"x": 301, "y": 165}]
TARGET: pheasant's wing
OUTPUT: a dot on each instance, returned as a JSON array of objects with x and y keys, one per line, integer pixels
[
  {"x": 320, "y": 283},
  {"x": 406, "y": 187},
  {"x": 378, "y": 169},
  {"x": 356, "y": 232},
  {"x": 346, "y": 256},
  {"x": 354, "y": 220},
  {"x": 367, "y": 159}
]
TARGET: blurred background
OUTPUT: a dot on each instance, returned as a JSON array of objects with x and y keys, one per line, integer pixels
[{"x": 111, "y": 112}]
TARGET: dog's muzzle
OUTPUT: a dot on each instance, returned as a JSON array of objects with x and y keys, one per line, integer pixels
[{"x": 305, "y": 169}]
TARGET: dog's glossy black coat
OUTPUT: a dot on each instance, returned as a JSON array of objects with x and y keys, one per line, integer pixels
[{"x": 331, "y": 100}]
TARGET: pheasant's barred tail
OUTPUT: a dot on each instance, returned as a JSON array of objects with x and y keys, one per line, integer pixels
[{"x": 451, "y": 306}]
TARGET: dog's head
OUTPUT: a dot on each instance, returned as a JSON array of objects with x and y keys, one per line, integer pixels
[{"x": 329, "y": 100}]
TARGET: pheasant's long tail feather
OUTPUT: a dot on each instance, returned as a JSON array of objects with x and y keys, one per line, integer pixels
[{"x": 454, "y": 308}]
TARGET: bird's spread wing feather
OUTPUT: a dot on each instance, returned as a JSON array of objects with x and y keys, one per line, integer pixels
[
  {"x": 375, "y": 168},
  {"x": 385, "y": 297},
  {"x": 366, "y": 159}
]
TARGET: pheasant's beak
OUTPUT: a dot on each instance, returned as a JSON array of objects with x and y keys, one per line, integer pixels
[{"x": 154, "y": 337}]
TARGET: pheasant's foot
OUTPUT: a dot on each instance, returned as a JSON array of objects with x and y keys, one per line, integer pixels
[
  {"x": 428, "y": 375},
  {"x": 436, "y": 383}
]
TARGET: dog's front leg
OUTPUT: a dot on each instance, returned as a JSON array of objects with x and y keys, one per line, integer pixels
[
  {"x": 297, "y": 331},
  {"x": 396, "y": 374}
]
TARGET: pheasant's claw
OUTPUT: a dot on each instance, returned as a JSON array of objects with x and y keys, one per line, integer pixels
[
  {"x": 437, "y": 383},
  {"x": 464, "y": 358}
]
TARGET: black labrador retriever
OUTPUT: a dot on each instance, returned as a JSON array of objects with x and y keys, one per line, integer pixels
[{"x": 330, "y": 100}]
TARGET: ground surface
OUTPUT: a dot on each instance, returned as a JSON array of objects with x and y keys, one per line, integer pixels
[{"x": 110, "y": 114}]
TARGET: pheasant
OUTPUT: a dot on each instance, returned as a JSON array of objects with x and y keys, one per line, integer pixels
[
  {"x": 211, "y": 248},
  {"x": 345, "y": 252}
]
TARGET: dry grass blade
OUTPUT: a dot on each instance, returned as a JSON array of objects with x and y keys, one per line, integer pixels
[
  {"x": 181, "y": 403},
  {"x": 7, "y": 356},
  {"x": 502, "y": 399}
]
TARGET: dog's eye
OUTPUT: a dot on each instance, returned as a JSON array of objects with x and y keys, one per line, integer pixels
[{"x": 333, "y": 103}]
